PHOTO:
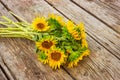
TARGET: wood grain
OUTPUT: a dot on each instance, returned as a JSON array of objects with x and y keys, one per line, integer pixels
[
  {"x": 112, "y": 4},
  {"x": 20, "y": 60},
  {"x": 6, "y": 72},
  {"x": 100, "y": 65},
  {"x": 102, "y": 10},
  {"x": 95, "y": 28}
]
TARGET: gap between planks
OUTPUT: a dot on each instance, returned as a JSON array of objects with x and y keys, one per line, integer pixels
[{"x": 3, "y": 75}]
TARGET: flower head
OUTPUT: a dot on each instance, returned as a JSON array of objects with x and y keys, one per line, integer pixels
[
  {"x": 76, "y": 58},
  {"x": 46, "y": 44},
  {"x": 42, "y": 57},
  {"x": 40, "y": 24},
  {"x": 73, "y": 30},
  {"x": 58, "y": 18},
  {"x": 84, "y": 43},
  {"x": 56, "y": 58},
  {"x": 70, "y": 26},
  {"x": 82, "y": 30},
  {"x": 81, "y": 26}
]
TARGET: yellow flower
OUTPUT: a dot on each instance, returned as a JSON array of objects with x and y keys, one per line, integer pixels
[
  {"x": 46, "y": 44},
  {"x": 40, "y": 24},
  {"x": 84, "y": 43},
  {"x": 75, "y": 62},
  {"x": 82, "y": 30},
  {"x": 70, "y": 26},
  {"x": 56, "y": 58},
  {"x": 42, "y": 57},
  {"x": 86, "y": 53},
  {"x": 83, "y": 35},
  {"x": 71, "y": 29},
  {"x": 76, "y": 35},
  {"x": 81, "y": 26},
  {"x": 58, "y": 18}
]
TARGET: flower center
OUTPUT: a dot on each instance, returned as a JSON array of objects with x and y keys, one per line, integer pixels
[
  {"x": 47, "y": 44},
  {"x": 40, "y": 25},
  {"x": 56, "y": 56}
]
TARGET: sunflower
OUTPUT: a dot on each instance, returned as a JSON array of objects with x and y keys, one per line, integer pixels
[
  {"x": 82, "y": 30},
  {"x": 84, "y": 43},
  {"x": 56, "y": 58},
  {"x": 40, "y": 24},
  {"x": 42, "y": 57},
  {"x": 81, "y": 26},
  {"x": 74, "y": 31},
  {"x": 46, "y": 44},
  {"x": 57, "y": 18},
  {"x": 75, "y": 62},
  {"x": 76, "y": 35},
  {"x": 83, "y": 35},
  {"x": 70, "y": 26}
]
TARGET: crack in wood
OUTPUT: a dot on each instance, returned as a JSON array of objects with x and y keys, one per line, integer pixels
[
  {"x": 4, "y": 73},
  {"x": 68, "y": 73},
  {"x": 9, "y": 70}
]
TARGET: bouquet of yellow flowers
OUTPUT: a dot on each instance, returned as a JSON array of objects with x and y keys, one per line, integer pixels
[{"x": 57, "y": 42}]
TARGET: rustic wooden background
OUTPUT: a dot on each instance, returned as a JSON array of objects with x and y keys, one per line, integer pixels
[{"x": 102, "y": 23}]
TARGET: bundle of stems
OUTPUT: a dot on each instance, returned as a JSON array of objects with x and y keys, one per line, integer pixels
[{"x": 16, "y": 29}]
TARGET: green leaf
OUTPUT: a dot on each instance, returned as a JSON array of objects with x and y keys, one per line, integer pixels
[
  {"x": 73, "y": 56},
  {"x": 55, "y": 27},
  {"x": 42, "y": 55}
]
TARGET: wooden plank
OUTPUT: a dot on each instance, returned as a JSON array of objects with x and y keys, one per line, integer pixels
[
  {"x": 98, "y": 8},
  {"x": 100, "y": 65},
  {"x": 19, "y": 57},
  {"x": 95, "y": 28}
]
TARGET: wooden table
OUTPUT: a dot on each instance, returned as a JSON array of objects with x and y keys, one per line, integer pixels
[{"x": 102, "y": 22}]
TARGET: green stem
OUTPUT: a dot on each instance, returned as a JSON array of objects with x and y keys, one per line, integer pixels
[
  {"x": 20, "y": 33},
  {"x": 14, "y": 23},
  {"x": 6, "y": 24},
  {"x": 19, "y": 17},
  {"x": 17, "y": 25},
  {"x": 10, "y": 28},
  {"x": 16, "y": 35},
  {"x": 28, "y": 27},
  {"x": 25, "y": 22}
]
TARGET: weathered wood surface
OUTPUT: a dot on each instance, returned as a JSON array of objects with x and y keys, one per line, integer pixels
[
  {"x": 107, "y": 11},
  {"x": 19, "y": 61}
]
